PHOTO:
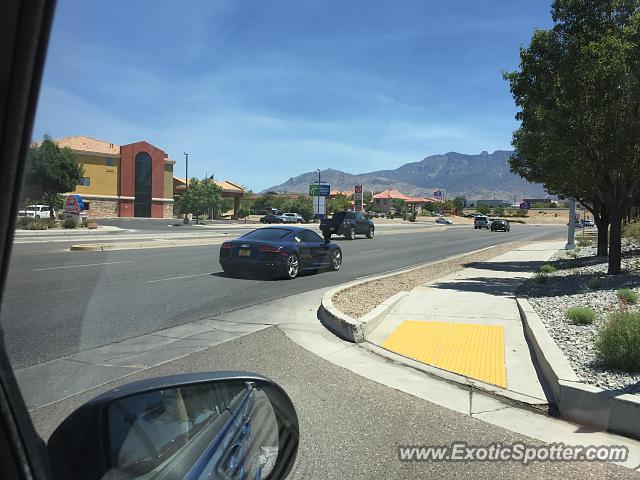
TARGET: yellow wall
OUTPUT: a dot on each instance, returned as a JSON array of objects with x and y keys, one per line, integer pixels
[
  {"x": 168, "y": 180},
  {"x": 104, "y": 180}
]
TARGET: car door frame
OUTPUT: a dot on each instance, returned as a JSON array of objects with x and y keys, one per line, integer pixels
[
  {"x": 319, "y": 251},
  {"x": 24, "y": 36},
  {"x": 362, "y": 224}
]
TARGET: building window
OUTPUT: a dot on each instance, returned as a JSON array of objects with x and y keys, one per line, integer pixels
[
  {"x": 109, "y": 162},
  {"x": 85, "y": 182}
]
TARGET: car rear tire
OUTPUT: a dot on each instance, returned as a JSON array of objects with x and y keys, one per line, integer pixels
[
  {"x": 299, "y": 221},
  {"x": 371, "y": 232},
  {"x": 292, "y": 266},
  {"x": 336, "y": 260},
  {"x": 351, "y": 234}
]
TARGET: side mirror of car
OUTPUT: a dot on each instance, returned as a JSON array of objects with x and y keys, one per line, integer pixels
[{"x": 198, "y": 426}]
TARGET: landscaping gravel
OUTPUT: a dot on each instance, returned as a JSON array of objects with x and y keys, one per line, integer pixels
[
  {"x": 364, "y": 297},
  {"x": 568, "y": 287}
]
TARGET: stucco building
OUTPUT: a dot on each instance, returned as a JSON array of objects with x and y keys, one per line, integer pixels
[{"x": 134, "y": 180}]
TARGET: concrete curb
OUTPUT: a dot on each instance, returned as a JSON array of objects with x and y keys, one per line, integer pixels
[
  {"x": 347, "y": 327},
  {"x": 354, "y": 330},
  {"x": 536, "y": 405},
  {"x": 618, "y": 413},
  {"x": 102, "y": 247}
]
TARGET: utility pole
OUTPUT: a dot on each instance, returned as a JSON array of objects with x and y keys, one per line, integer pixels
[{"x": 186, "y": 170}]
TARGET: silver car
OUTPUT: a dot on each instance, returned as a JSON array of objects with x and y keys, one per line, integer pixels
[{"x": 292, "y": 218}]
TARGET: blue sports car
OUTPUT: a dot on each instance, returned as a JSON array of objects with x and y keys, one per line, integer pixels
[{"x": 283, "y": 251}]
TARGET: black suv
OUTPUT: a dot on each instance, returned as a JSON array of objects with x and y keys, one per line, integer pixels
[
  {"x": 500, "y": 224},
  {"x": 348, "y": 224}
]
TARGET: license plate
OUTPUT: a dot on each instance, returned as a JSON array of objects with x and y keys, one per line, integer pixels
[{"x": 244, "y": 253}]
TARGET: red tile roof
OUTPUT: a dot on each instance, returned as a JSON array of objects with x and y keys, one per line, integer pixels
[{"x": 88, "y": 144}]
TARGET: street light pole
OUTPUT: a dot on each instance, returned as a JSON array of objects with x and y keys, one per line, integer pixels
[
  {"x": 572, "y": 226},
  {"x": 318, "y": 170},
  {"x": 186, "y": 170}
]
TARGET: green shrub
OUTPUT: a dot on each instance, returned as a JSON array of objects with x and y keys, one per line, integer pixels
[
  {"x": 51, "y": 223},
  {"x": 33, "y": 223},
  {"x": 581, "y": 315},
  {"x": 618, "y": 342},
  {"x": 595, "y": 283},
  {"x": 540, "y": 278},
  {"x": 627, "y": 296},
  {"x": 585, "y": 242},
  {"x": 22, "y": 222},
  {"x": 547, "y": 268},
  {"x": 69, "y": 223},
  {"x": 632, "y": 231}
]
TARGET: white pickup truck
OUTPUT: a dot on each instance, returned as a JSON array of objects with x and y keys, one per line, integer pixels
[{"x": 36, "y": 211}]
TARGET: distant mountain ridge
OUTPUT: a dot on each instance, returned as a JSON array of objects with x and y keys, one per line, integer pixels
[{"x": 484, "y": 175}]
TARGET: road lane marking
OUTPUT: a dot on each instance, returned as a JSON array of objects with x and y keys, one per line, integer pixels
[
  {"x": 179, "y": 278},
  {"x": 371, "y": 251},
  {"x": 83, "y": 265}
]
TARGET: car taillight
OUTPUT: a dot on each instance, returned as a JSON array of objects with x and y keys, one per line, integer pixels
[
  {"x": 226, "y": 245},
  {"x": 269, "y": 248}
]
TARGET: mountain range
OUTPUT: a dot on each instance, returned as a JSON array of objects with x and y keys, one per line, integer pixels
[{"x": 485, "y": 175}]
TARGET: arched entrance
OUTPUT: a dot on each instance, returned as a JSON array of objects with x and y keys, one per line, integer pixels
[{"x": 142, "y": 190}]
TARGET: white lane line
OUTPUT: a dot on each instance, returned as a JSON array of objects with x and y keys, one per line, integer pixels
[
  {"x": 179, "y": 278},
  {"x": 371, "y": 251},
  {"x": 78, "y": 266}
]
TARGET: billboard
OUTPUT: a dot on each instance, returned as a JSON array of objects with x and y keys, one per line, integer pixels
[{"x": 322, "y": 190}]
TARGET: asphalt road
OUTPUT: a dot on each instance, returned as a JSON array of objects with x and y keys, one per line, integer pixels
[
  {"x": 351, "y": 427},
  {"x": 58, "y": 302}
]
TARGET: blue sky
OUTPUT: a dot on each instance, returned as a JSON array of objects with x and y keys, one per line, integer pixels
[{"x": 259, "y": 91}]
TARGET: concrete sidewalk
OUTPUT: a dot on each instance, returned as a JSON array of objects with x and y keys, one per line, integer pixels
[{"x": 468, "y": 323}]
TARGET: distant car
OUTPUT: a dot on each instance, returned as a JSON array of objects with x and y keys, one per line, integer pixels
[
  {"x": 292, "y": 218},
  {"x": 347, "y": 223},
  {"x": 271, "y": 218},
  {"x": 588, "y": 223},
  {"x": 36, "y": 211},
  {"x": 500, "y": 224},
  {"x": 481, "y": 221},
  {"x": 443, "y": 221},
  {"x": 469, "y": 215},
  {"x": 283, "y": 251}
]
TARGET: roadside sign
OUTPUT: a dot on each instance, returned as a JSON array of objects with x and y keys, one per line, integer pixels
[
  {"x": 73, "y": 204},
  {"x": 357, "y": 198},
  {"x": 319, "y": 206},
  {"x": 525, "y": 205},
  {"x": 322, "y": 190}
]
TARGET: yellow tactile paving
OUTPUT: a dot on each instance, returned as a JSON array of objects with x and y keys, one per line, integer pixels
[{"x": 476, "y": 351}]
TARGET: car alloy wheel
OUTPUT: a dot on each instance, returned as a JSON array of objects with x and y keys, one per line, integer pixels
[
  {"x": 336, "y": 260},
  {"x": 352, "y": 233},
  {"x": 371, "y": 233},
  {"x": 293, "y": 265}
]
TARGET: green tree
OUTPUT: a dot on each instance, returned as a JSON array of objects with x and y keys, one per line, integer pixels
[
  {"x": 339, "y": 203},
  {"x": 459, "y": 202},
  {"x": 301, "y": 205},
  {"x": 483, "y": 209},
  {"x": 399, "y": 206},
  {"x": 578, "y": 91},
  {"x": 54, "y": 169},
  {"x": 201, "y": 197}
]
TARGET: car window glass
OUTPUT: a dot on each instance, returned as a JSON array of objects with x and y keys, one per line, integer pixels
[
  {"x": 309, "y": 236},
  {"x": 267, "y": 234}
]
